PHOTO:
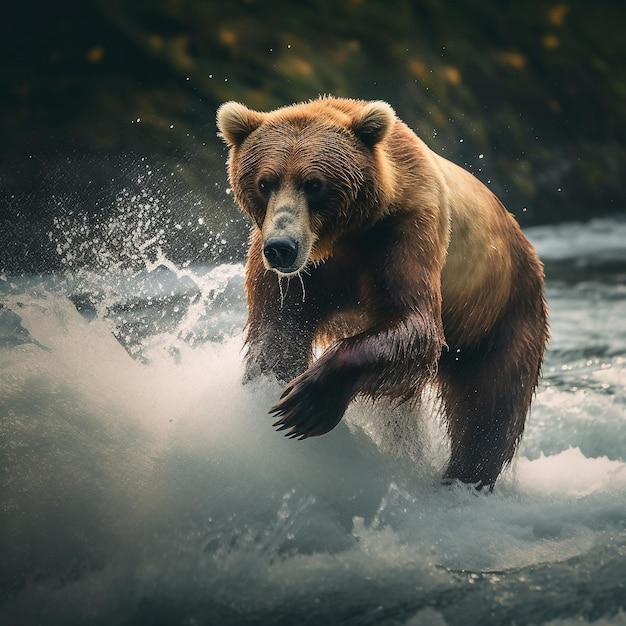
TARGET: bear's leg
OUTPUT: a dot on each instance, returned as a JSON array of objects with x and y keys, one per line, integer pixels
[
  {"x": 484, "y": 432},
  {"x": 486, "y": 393}
]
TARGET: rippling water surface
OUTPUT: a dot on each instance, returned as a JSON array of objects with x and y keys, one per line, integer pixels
[{"x": 143, "y": 484}]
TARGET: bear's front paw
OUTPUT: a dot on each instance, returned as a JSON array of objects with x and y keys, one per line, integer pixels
[{"x": 309, "y": 408}]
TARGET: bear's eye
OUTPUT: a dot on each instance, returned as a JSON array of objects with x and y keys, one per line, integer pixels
[
  {"x": 313, "y": 186},
  {"x": 265, "y": 186}
]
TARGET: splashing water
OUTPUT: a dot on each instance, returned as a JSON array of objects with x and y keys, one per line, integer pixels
[{"x": 142, "y": 483}]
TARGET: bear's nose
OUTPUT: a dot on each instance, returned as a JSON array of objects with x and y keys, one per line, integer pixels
[{"x": 280, "y": 252}]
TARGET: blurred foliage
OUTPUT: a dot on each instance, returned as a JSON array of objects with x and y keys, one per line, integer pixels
[{"x": 530, "y": 96}]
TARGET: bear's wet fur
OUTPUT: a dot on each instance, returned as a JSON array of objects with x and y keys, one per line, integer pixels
[{"x": 413, "y": 275}]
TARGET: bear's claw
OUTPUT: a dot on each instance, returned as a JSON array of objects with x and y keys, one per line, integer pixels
[{"x": 307, "y": 408}]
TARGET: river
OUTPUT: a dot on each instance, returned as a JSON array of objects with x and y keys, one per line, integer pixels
[{"x": 143, "y": 484}]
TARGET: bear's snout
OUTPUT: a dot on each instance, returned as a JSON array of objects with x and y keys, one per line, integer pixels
[{"x": 281, "y": 252}]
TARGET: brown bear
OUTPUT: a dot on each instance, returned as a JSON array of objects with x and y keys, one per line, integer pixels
[{"x": 412, "y": 275}]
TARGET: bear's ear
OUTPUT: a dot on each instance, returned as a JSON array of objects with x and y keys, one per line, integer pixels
[
  {"x": 373, "y": 123},
  {"x": 236, "y": 121}
]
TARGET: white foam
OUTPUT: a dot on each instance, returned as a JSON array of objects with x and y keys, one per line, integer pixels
[
  {"x": 570, "y": 473},
  {"x": 601, "y": 238}
]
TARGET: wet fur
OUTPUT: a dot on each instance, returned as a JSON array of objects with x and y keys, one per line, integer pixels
[{"x": 416, "y": 276}]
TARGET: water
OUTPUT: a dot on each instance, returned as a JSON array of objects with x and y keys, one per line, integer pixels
[{"x": 143, "y": 484}]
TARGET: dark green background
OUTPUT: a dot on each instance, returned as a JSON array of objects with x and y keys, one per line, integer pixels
[{"x": 94, "y": 92}]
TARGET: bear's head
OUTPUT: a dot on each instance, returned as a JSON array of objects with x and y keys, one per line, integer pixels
[{"x": 308, "y": 174}]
